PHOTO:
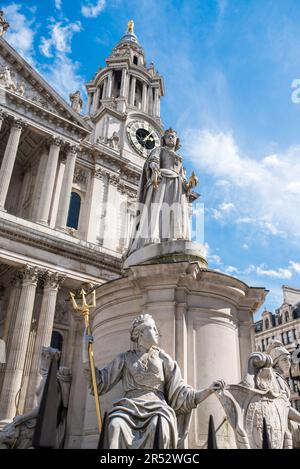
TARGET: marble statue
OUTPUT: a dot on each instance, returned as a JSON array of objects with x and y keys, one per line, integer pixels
[
  {"x": 152, "y": 386},
  {"x": 19, "y": 433},
  {"x": 76, "y": 101},
  {"x": 5, "y": 76},
  {"x": 263, "y": 393},
  {"x": 4, "y": 25},
  {"x": 164, "y": 196}
]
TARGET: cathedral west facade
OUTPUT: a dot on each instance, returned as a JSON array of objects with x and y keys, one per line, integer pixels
[{"x": 68, "y": 184}]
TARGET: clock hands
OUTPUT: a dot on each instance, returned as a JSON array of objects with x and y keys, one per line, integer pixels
[{"x": 147, "y": 137}]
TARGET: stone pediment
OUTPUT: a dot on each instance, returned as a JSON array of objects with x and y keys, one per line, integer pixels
[
  {"x": 111, "y": 109},
  {"x": 18, "y": 78}
]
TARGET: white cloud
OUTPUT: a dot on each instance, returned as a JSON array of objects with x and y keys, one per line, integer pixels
[
  {"x": 215, "y": 259},
  {"x": 91, "y": 10},
  {"x": 63, "y": 72},
  {"x": 58, "y": 4},
  {"x": 20, "y": 34},
  {"x": 59, "y": 41},
  {"x": 268, "y": 190},
  {"x": 295, "y": 266},
  {"x": 279, "y": 273},
  {"x": 231, "y": 270},
  {"x": 245, "y": 246},
  {"x": 222, "y": 210},
  {"x": 222, "y": 5}
]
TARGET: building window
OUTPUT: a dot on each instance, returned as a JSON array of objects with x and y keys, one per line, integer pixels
[
  {"x": 279, "y": 319},
  {"x": 263, "y": 345},
  {"x": 295, "y": 334},
  {"x": 74, "y": 210},
  {"x": 135, "y": 60},
  {"x": 267, "y": 341},
  {"x": 287, "y": 317},
  {"x": 290, "y": 337},
  {"x": 56, "y": 340},
  {"x": 267, "y": 324},
  {"x": 283, "y": 338}
]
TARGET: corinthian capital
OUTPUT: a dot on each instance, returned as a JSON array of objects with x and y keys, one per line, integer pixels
[
  {"x": 53, "y": 280},
  {"x": 18, "y": 123},
  {"x": 56, "y": 141},
  {"x": 29, "y": 273}
]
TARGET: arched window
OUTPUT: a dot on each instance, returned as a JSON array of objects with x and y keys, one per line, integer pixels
[
  {"x": 135, "y": 60},
  {"x": 287, "y": 317},
  {"x": 74, "y": 210}
]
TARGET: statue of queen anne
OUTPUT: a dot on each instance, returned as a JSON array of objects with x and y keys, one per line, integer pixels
[
  {"x": 153, "y": 386},
  {"x": 164, "y": 196}
]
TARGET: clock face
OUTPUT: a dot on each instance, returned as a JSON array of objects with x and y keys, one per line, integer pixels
[{"x": 142, "y": 136}]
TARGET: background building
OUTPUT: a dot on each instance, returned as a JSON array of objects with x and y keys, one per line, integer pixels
[{"x": 283, "y": 325}]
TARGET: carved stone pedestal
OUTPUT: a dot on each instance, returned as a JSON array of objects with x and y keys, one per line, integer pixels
[{"x": 204, "y": 320}]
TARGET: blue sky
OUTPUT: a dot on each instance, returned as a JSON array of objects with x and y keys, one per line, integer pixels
[{"x": 228, "y": 67}]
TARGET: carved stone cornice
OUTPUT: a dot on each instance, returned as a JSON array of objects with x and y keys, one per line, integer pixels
[{"x": 129, "y": 191}]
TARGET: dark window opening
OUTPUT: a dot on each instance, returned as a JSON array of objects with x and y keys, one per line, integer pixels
[
  {"x": 74, "y": 210},
  {"x": 135, "y": 60}
]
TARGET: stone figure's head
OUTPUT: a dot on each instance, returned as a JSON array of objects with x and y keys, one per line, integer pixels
[
  {"x": 144, "y": 331},
  {"x": 281, "y": 357},
  {"x": 170, "y": 139}
]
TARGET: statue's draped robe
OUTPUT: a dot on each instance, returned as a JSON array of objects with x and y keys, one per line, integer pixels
[
  {"x": 163, "y": 212},
  {"x": 156, "y": 388}
]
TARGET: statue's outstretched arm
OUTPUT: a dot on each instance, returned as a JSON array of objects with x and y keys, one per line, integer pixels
[
  {"x": 294, "y": 415},
  {"x": 203, "y": 394}
]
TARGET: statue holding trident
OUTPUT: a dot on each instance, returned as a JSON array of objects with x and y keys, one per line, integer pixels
[
  {"x": 85, "y": 311},
  {"x": 153, "y": 388}
]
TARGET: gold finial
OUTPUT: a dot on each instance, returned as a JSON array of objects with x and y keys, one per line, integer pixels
[{"x": 130, "y": 26}]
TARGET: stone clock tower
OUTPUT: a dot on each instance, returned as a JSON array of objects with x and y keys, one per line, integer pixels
[{"x": 124, "y": 102}]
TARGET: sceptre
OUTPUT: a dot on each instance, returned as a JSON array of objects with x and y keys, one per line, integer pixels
[{"x": 85, "y": 310}]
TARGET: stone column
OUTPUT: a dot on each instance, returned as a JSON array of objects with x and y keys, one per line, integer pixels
[
  {"x": 123, "y": 83},
  {"x": 96, "y": 101},
  {"x": 17, "y": 354},
  {"x": 2, "y": 117},
  {"x": 48, "y": 182},
  {"x": 11, "y": 311},
  {"x": 150, "y": 101},
  {"x": 65, "y": 193},
  {"x": 89, "y": 101},
  {"x": 96, "y": 204},
  {"x": 52, "y": 280},
  {"x": 104, "y": 88},
  {"x": 9, "y": 158},
  {"x": 144, "y": 98},
  {"x": 132, "y": 91},
  {"x": 109, "y": 84},
  {"x": 156, "y": 102}
]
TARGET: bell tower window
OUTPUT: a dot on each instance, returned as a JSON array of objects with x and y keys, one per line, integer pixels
[
  {"x": 138, "y": 94},
  {"x": 135, "y": 60},
  {"x": 117, "y": 83}
]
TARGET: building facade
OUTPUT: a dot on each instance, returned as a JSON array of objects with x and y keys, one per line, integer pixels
[
  {"x": 68, "y": 184},
  {"x": 283, "y": 325}
]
